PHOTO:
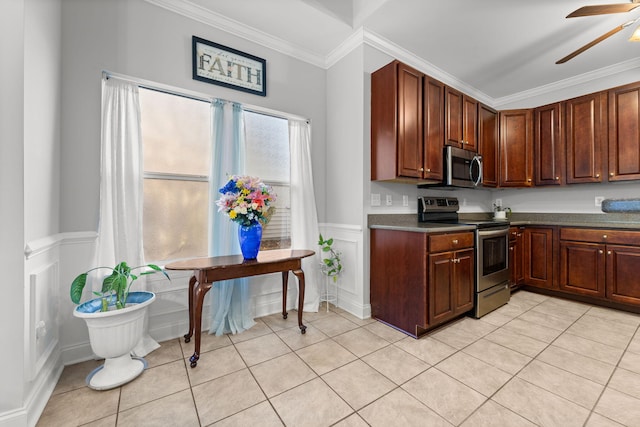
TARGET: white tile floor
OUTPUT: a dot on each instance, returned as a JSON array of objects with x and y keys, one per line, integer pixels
[{"x": 536, "y": 361}]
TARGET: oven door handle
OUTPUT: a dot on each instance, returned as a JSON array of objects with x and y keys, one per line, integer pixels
[{"x": 493, "y": 233}]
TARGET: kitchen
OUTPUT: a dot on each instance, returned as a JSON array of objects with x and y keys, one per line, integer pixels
[{"x": 331, "y": 89}]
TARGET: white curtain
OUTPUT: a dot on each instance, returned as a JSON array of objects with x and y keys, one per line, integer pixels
[
  {"x": 120, "y": 223},
  {"x": 304, "y": 216},
  {"x": 230, "y": 302}
]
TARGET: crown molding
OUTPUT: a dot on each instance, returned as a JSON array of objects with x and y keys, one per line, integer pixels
[
  {"x": 607, "y": 71},
  {"x": 216, "y": 20}
]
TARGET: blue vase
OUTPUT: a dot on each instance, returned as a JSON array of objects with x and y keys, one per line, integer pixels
[{"x": 250, "y": 237}]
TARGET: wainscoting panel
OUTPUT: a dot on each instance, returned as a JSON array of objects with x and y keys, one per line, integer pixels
[
  {"x": 43, "y": 329},
  {"x": 348, "y": 240}
]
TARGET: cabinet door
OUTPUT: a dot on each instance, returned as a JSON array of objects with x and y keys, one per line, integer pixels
[
  {"x": 538, "y": 257},
  {"x": 582, "y": 268},
  {"x": 454, "y": 107},
  {"x": 624, "y": 133},
  {"x": 623, "y": 265},
  {"x": 548, "y": 145},
  {"x": 433, "y": 128},
  {"x": 585, "y": 138},
  {"x": 463, "y": 280},
  {"x": 410, "y": 141},
  {"x": 488, "y": 131},
  {"x": 470, "y": 124},
  {"x": 516, "y": 149},
  {"x": 441, "y": 292}
]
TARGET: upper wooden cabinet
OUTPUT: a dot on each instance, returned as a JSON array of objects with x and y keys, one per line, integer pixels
[
  {"x": 488, "y": 142},
  {"x": 396, "y": 122},
  {"x": 586, "y": 138},
  {"x": 461, "y": 120},
  {"x": 516, "y": 149},
  {"x": 624, "y": 133},
  {"x": 407, "y": 125},
  {"x": 433, "y": 122},
  {"x": 548, "y": 145}
]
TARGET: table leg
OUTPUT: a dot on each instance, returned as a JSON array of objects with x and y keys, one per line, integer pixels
[
  {"x": 300, "y": 275},
  {"x": 200, "y": 291},
  {"x": 285, "y": 281},
  {"x": 192, "y": 282}
]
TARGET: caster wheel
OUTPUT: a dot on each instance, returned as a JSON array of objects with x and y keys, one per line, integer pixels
[
  {"x": 194, "y": 364},
  {"x": 187, "y": 339},
  {"x": 303, "y": 330},
  {"x": 284, "y": 316}
]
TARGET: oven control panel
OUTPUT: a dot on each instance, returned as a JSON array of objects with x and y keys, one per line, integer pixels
[{"x": 437, "y": 204}]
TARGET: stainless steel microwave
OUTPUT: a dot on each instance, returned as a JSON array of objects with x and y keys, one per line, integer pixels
[{"x": 462, "y": 168}]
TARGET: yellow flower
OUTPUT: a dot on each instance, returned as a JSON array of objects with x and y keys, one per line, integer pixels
[{"x": 233, "y": 214}]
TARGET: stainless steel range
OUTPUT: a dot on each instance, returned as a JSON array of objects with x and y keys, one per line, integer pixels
[{"x": 492, "y": 251}]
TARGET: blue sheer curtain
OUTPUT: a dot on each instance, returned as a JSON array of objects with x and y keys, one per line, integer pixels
[{"x": 230, "y": 308}]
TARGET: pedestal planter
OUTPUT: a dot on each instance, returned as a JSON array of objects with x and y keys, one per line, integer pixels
[{"x": 113, "y": 334}]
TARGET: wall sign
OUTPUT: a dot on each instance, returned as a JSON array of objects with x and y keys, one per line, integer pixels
[{"x": 224, "y": 66}]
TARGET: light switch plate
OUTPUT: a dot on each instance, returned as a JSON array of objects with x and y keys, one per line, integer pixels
[
  {"x": 389, "y": 200},
  {"x": 375, "y": 199}
]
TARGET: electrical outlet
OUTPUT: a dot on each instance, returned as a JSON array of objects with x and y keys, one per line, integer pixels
[
  {"x": 389, "y": 200},
  {"x": 375, "y": 199},
  {"x": 405, "y": 200},
  {"x": 599, "y": 200}
]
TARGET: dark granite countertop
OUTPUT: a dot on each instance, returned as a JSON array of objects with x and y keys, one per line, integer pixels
[{"x": 409, "y": 222}]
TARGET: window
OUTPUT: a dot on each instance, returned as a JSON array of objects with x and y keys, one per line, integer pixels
[{"x": 176, "y": 135}]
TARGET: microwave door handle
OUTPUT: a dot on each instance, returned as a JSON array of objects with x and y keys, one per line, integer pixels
[{"x": 476, "y": 182}]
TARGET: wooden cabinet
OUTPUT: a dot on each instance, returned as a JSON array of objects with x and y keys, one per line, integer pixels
[
  {"x": 548, "y": 143},
  {"x": 451, "y": 276},
  {"x": 516, "y": 149},
  {"x": 433, "y": 123},
  {"x": 407, "y": 125},
  {"x": 396, "y": 122},
  {"x": 601, "y": 263},
  {"x": 585, "y": 120},
  {"x": 516, "y": 257},
  {"x": 399, "y": 279},
  {"x": 624, "y": 133},
  {"x": 461, "y": 120},
  {"x": 488, "y": 142},
  {"x": 421, "y": 280},
  {"x": 539, "y": 256}
]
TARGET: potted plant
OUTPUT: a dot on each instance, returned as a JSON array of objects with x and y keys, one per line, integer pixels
[
  {"x": 500, "y": 212},
  {"x": 331, "y": 266},
  {"x": 115, "y": 321}
]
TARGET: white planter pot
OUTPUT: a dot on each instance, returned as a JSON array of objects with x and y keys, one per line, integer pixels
[
  {"x": 500, "y": 215},
  {"x": 113, "y": 334}
]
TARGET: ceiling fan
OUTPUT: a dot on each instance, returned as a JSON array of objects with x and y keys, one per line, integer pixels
[{"x": 602, "y": 10}]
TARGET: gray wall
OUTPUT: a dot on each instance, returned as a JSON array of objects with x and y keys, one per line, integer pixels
[{"x": 137, "y": 39}]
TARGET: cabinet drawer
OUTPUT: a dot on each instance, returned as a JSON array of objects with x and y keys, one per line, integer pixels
[
  {"x": 450, "y": 242},
  {"x": 618, "y": 237}
]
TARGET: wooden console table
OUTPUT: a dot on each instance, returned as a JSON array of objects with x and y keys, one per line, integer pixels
[{"x": 209, "y": 270}]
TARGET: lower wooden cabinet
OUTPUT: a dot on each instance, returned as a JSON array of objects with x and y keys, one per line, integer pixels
[
  {"x": 421, "y": 280},
  {"x": 539, "y": 257},
  {"x": 601, "y": 263},
  {"x": 451, "y": 283}
]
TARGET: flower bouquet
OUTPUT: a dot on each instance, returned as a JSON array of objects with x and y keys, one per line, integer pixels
[{"x": 248, "y": 201}]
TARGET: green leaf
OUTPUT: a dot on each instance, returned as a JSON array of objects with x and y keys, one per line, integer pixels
[{"x": 77, "y": 286}]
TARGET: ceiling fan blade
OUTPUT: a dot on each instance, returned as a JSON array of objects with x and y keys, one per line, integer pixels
[
  {"x": 603, "y": 9},
  {"x": 593, "y": 43}
]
